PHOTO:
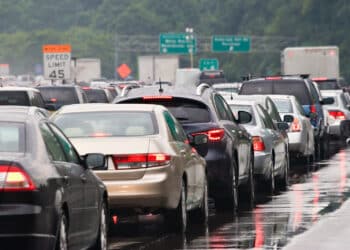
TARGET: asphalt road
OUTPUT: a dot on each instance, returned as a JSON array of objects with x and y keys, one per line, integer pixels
[{"x": 275, "y": 222}]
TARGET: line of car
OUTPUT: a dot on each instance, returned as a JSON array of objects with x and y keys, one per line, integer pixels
[{"x": 162, "y": 149}]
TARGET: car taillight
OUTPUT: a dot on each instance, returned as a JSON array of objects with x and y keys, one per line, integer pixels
[
  {"x": 160, "y": 97},
  {"x": 13, "y": 178},
  {"x": 133, "y": 161},
  {"x": 214, "y": 135},
  {"x": 273, "y": 78},
  {"x": 295, "y": 126},
  {"x": 258, "y": 143},
  {"x": 313, "y": 109},
  {"x": 336, "y": 114}
]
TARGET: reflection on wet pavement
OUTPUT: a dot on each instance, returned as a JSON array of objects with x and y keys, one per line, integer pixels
[{"x": 273, "y": 222}]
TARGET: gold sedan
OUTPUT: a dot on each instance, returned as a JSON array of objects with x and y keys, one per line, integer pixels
[{"x": 151, "y": 164}]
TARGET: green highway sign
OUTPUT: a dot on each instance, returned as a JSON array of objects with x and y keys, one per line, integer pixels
[
  {"x": 177, "y": 43},
  {"x": 208, "y": 64},
  {"x": 225, "y": 43}
]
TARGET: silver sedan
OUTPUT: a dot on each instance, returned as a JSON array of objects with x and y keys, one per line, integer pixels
[
  {"x": 300, "y": 133},
  {"x": 269, "y": 147}
]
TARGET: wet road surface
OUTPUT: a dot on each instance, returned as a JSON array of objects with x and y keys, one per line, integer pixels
[{"x": 271, "y": 225}]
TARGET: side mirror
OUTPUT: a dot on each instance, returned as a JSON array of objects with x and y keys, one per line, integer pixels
[
  {"x": 50, "y": 107},
  {"x": 244, "y": 117},
  {"x": 199, "y": 139},
  {"x": 282, "y": 126},
  {"x": 327, "y": 101},
  {"x": 95, "y": 161},
  {"x": 288, "y": 118}
]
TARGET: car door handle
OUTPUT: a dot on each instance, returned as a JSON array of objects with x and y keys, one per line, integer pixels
[{"x": 83, "y": 178}]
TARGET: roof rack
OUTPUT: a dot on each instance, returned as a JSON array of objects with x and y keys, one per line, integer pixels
[{"x": 201, "y": 87}]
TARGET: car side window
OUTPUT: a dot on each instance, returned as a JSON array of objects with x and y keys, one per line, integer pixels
[
  {"x": 223, "y": 111},
  {"x": 54, "y": 148},
  {"x": 314, "y": 94},
  {"x": 175, "y": 128},
  {"x": 272, "y": 110},
  {"x": 266, "y": 118},
  {"x": 66, "y": 145}
]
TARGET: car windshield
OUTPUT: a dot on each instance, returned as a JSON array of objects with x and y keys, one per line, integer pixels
[
  {"x": 283, "y": 105},
  {"x": 323, "y": 85},
  {"x": 284, "y": 87},
  {"x": 14, "y": 98},
  {"x": 248, "y": 108},
  {"x": 96, "y": 95},
  {"x": 59, "y": 95},
  {"x": 185, "y": 110},
  {"x": 107, "y": 124},
  {"x": 12, "y": 137}
]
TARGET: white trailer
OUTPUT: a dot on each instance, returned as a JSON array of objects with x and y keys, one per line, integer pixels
[
  {"x": 86, "y": 69},
  {"x": 155, "y": 67},
  {"x": 322, "y": 61}
]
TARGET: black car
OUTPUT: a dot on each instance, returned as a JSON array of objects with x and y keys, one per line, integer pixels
[
  {"x": 97, "y": 95},
  {"x": 212, "y": 76},
  {"x": 307, "y": 93},
  {"x": 50, "y": 199},
  {"x": 229, "y": 152},
  {"x": 59, "y": 95}
]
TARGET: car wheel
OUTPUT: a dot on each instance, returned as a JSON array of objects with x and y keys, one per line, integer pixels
[
  {"x": 324, "y": 147},
  {"x": 177, "y": 219},
  {"x": 101, "y": 241},
  {"x": 62, "y": 237},
  {"x": 201, "y": 214},
  {"x": 249, "y": 189},
  {"x": 284, "y": 180},
  {"x": 270, "y": 182}
]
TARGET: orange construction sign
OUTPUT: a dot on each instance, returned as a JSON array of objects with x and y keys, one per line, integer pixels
[
  {"x": 124, "y": 70},
  {"x": 57, "y": 48}
]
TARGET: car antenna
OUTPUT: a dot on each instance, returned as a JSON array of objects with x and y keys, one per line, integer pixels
[
  {"x": 231, "y": 96},
  {"x": 160, "y": 86}
]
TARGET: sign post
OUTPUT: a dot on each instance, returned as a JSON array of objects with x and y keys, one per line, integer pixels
[
  {"x": 225, "y": 43},
  {"x": 177, "y": 43},
  {"x": 57, "y": 61},
  {"x": 208, "y": 64}
]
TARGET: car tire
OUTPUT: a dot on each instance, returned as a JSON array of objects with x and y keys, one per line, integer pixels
[
  {"x": 269, "y": 184},
  {"x": 325, "y": 147},
  {"x": 283, "y": 182},
  {"x": 62, "y": 237},
  {"x": 101, "y": 241},
  {"x": 249, "y": 189},
  {"x": 177, "y": 219},
  {"x": 201, "y": 214}
]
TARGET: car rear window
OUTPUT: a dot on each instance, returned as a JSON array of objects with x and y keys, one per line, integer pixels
[
  {"x": 96, "y": 95},
  {"x": 248, "y": 108},
  {"x": 283, "y": 105},
  {"x": 185, "y": 110},
  {"x": 59, "y": 95},
  {"x": 285, "y": 87},
  {"x": 336, "y": 100},
  {"x": 107, "y": 124},
  {"x": 323, "y": 85},
  {"x": 12, "y": 137},
  {"x": 14, "y": 98}
]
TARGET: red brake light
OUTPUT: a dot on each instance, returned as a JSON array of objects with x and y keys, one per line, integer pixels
[
  {"x": 313, "y": 109},
  {"x": 140, "y": 160},
  {"x": 273, "y": 78},
  {"x": 214, "y": 135},
  {"x": 100, "y": 134},
  {"x": 86, "y": 88},
  {"x": 258, "y": 143},
  {"x": 295, "y": 126},
  {"x": 161, "y": 97},
  {"x": 13, "y": 178},
  {"x": 336, "y": 114},
  {"x": 319, "y": 79},
  {"x": 53, "y": 100}
]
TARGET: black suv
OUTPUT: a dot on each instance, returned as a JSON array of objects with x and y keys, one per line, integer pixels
[
  {"x": 57, "y": 96},
  {"x": 306, "y": 91},
  {"x": 212, "y": 76},
  {"x": 229, "y": 152}
]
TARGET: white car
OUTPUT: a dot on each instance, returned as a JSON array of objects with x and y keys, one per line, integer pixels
[
  {"x": 300, "y": 133},
  {"x": 338, "y": 113}
]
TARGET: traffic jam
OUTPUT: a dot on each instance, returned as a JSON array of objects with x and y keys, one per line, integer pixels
[{"x": 194, "y": 163}]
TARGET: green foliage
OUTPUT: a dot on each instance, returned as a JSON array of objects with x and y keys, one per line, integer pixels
[{"x": 90, "y": 27}]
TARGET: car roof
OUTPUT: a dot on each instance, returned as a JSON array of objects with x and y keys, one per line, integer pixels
[
  {"x": 227, "y": 84},
  {"x": 16, "y": 113},
  {"x": 92, "y": 107},
  {"x": 10, "y": 88},
  {"x": 282, "y": 96},
  {"x": 241, "y": 102},
  {"x": 333, "y": 92},
  {"x": 57, "y": 86}
]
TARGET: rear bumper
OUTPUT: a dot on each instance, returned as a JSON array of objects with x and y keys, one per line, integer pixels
[{"x": 158, "y": 189}]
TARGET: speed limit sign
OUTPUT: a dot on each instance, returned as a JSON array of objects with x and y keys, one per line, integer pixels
[{"x": 57, "y": 61}]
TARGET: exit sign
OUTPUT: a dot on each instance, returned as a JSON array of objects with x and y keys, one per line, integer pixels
[{"x": 227, "y": 43}]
